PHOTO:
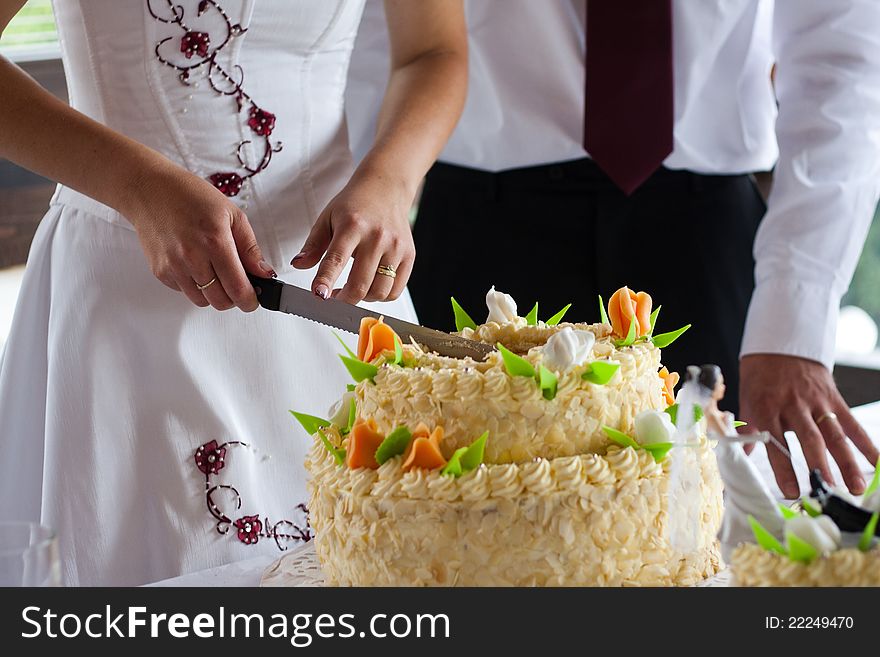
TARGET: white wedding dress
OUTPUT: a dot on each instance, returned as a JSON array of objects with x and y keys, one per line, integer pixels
[{"x": 110, "y": 381}]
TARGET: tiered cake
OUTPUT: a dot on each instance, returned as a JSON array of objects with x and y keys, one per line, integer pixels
[{"x": 546, "y": 464}]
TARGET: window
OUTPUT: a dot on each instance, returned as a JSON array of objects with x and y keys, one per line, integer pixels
[{"x": 31, "y": 35}]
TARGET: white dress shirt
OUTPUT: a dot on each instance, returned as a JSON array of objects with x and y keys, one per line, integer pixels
[{"x": 525, "y": 107}]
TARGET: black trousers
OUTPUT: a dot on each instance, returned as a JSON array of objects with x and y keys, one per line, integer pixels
[{"x": 563, "y": 233}]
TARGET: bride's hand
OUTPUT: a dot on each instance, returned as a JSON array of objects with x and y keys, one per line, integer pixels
[
  {"x": 192, "y": 235},
  {"x": 369, "y": 221}
]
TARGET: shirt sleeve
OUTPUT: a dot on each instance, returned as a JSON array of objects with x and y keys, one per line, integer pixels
[{"x": 827, "y": 179}]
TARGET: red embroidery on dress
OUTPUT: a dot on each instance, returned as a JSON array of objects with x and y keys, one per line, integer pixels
[
  {"x": 197, "y": 48},
  {"x": 210, "y": 458}
]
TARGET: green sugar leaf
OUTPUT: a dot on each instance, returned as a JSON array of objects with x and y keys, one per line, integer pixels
[
  {"x": 515, "y": 365},
  {"x": 875, "y": 480},
  {"x": 398, "y": 352},
  {"x": 359, "y": 370},
  {"x": 310, "y": 423},
  {"x": 739, "y": 423},
  {"x": 799, "y": 550},
  {"x": 337, "y": 452},
  {"x": 619, "y": 437},
  {"x": 809, "y": 509},
  {"x": 553, "y": 321},
  {"x": 453, "y": 465},
  {"x": 630, "y": 334},
  {"x": 462, "y": 319},
  {"x": 350, "y": 387},
  {"x": 665, "y": 339},
  {"x": 673, "y": 412},
  {"x": 787, "y": 512},
  {"x": 658, "y": 450},
  {"x": 548, "y": 382},
  {"x": 395, "y": 443},
  {"x": 350, "y": 353},
  {"x": 654, "y": 319},
  {"x": 602, "y": 313},
  {"x": 352, "y": 415},
  {"x": 532, "y": 317},
  {"x": 868, "y": 535},
  {"x": 600, "y": 372},
  {"x": 764, "y": 538},
  {"x": 472, "y": 457}
]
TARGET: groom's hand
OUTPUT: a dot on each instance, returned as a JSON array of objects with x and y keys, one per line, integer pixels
[{"x": 780, "y": 393}]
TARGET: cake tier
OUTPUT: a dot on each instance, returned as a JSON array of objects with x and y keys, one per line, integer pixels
[
  {"x": 579, "y": 520},
  {"x": 752, "y": 565},
  {"x": 468, "y": 398}
]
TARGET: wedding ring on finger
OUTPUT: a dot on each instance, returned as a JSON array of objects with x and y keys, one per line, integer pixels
[
  {"x": 206, "y": 285},
  {"x": 387, "y": 270},
  {"x": 827, "y": 415}
]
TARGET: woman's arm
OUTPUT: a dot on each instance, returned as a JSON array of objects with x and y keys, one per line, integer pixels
[
  {"x": 369, "y": 218},
  {"x": 189, "y": 230}
]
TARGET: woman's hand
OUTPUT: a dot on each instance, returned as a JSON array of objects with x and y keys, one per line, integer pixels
[
  {"x": 369, "y": 221},
  {"x": 191, "y": 235}
]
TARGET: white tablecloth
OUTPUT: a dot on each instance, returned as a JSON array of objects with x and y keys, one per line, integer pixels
[{"x": 250, "y": 572}]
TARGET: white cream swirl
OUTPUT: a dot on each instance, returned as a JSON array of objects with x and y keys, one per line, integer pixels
[
  {"x": 537, "y": 476},
  {"x": 567, "y": 349},
  {"x": 502, "y": 307},
  {"x": 504, "y": 480}
]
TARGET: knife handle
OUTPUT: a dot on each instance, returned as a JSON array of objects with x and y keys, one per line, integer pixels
[{"x": 268, "y": 291}]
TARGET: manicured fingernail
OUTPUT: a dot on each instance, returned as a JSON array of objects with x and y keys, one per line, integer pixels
[
  {"x": 322, "y": 291},
  {"x": 267, "y": 268},
  {"x": 298, "y": 256}
]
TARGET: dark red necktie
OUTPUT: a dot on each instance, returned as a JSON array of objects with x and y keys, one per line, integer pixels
[{"x": 628, "y": 117}]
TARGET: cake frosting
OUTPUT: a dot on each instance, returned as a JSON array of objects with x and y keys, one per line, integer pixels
[
  {"x": 753, "y": 565},
  {"x": 545, "y": 464}
]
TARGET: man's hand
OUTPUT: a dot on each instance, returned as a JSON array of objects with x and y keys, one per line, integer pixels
[{"x": 780, "y": 393}]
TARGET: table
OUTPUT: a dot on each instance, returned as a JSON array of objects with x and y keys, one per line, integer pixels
[{"x": 250, "y": 572}]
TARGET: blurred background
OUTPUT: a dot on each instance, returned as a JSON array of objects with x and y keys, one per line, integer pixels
[{"x": 31, "y": 41}]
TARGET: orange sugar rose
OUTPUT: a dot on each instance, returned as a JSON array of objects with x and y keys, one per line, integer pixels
[
  {"x": 626, "y": 304},
  {"x": 424, "y": 449},
  {"x": 670, "y": 380},
  {"x": 374, "y": 337},
  {"x": 363, "y": 441}
]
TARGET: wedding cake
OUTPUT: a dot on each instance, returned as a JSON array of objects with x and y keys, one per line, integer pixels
[{"x": 546, "y": 464}]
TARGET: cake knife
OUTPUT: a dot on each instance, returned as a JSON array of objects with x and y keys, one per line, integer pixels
[{"x": 277, "y": 295}]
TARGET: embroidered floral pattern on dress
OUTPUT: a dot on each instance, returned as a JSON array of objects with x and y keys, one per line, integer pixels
[
  {"x": 210, "y": 458},
  {"x": 198, "y": 51}
]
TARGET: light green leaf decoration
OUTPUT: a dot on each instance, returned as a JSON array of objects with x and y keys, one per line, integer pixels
[
  {"x": 352, "y": 415},
  {"x": 398, "y": 352},
  {"x": 453, "y": 465},
  {"x": 875, "y": 480},
  {"x": 350, "y": 387},
  {"x": 532, "y": 317},
  {"x": 809, "y": 509},
  {"x": 602, "y": 314},
  {"x": 359, "y": 370},
  {"x": 350, "y": 353},
  {"x": 868, "y": 535},
  {"x": 787, "y": 512},
  {"x": 310, "y": 423},
  {"x": 462, "y": 319},
  {"x": 600, "y": 372},
  {"x": 630, "y": 334},
  {"x": 465, "y": 459},
  {"x": 654, "y": 320},
  {"x": 799, "y": 550},
  {"x": 337, "y": 452},
  {"x": 619, "y": 437},
  {"x": 473, "y": 455},
  {"x": 548, "y": 382},
  {"x": 515, "y": 365},
  {"x": 665, "y": 339},
  {"x": 672, "y": 411},
  {"x": 553, "y": 321},
  {"x": 658, "y": 450},
  {"x": 395, "y": 443},
  {"x": 739, "y": 423},
  {"x": 764, "y": 538}
]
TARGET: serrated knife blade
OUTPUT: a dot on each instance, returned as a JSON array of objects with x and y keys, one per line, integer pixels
[{"x": 277, "y": 295}]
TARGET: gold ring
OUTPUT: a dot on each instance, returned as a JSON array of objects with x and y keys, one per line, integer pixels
[
  {"x": 827, "y": 415},
  {"x": 387, "y": 270},
  {"x": 207, "y": 285}
]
